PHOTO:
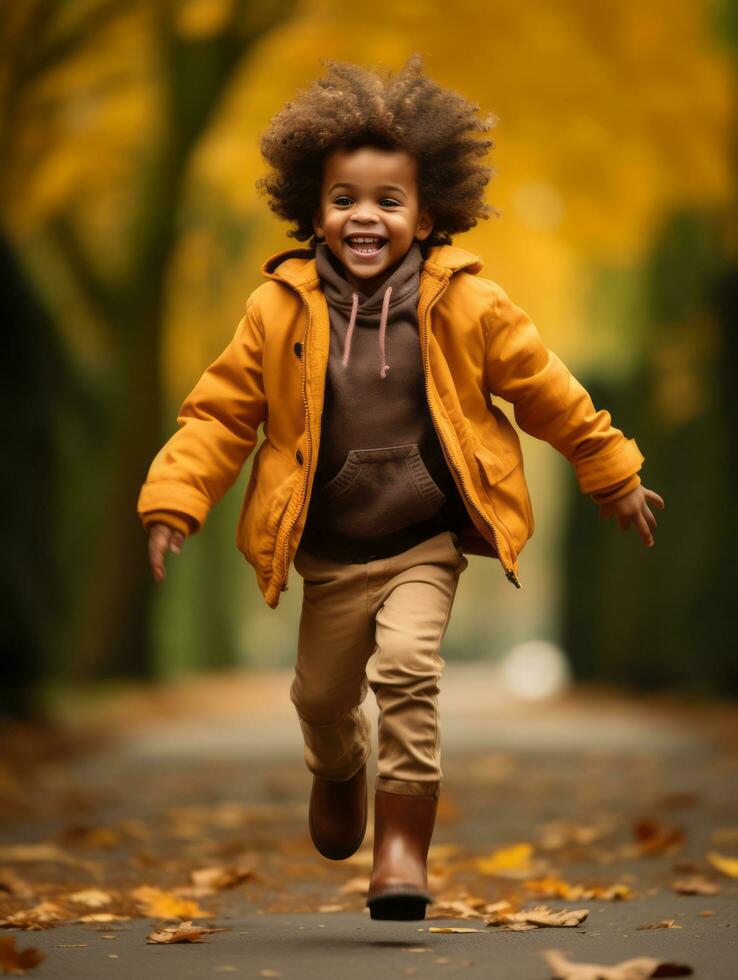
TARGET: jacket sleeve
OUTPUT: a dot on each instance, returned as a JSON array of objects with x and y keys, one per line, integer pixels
[
  {"x": 218, "y": 424},
  {"x": 549, "y": 403}
]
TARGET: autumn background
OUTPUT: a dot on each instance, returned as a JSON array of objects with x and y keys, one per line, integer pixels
[
  {"x": 132, "y": 234},
  {"x": 150, "y": 758}
]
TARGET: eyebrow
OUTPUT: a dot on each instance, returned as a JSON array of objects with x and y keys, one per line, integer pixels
[{"x": 383, "y": 187}]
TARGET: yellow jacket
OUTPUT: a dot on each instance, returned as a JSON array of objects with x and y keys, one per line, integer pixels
[{"x": 475, "y": 344}]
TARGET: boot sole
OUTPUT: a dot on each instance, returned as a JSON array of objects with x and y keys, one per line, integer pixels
[{"x": 401, "y": 906}]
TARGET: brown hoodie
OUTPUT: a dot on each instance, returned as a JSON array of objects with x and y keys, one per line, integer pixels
[{"x": 382, "y": 484}]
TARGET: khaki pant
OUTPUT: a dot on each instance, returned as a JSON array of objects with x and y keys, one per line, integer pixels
[{"x": 397, "y": 608}]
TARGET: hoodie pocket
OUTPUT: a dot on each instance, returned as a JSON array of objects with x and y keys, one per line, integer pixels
[{"x": 380, "y": 491}]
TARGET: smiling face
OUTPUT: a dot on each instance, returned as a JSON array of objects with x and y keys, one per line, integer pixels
[{"x": 369, "y": 212}]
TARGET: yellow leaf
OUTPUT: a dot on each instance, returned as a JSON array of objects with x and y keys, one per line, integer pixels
[
  {"x": 505, "y": 858},
  {"x": 729, "y": 866},
  {"x": 166, "y": 905}
]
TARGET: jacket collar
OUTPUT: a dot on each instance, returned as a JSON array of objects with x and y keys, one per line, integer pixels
[{"x": 297, "y": 266}]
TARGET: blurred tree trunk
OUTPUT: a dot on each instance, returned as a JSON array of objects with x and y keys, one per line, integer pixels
[{"x": 111, "y": 634}]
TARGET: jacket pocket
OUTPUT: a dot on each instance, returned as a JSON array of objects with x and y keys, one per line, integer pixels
[
  {"x": 380, "y": 491},
  {"x": 269, "y": 491},
  {"x": 503, "y": 479}
]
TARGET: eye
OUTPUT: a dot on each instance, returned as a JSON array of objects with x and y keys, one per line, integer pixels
[
  {"x": 343, "y": 197},
  {"x": 392, "y": 203}
]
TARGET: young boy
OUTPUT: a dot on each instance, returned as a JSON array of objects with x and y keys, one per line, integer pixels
[{"x": 372, "y": 359}]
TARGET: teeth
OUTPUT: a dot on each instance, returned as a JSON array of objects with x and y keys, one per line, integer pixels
[{"x": 366, "y": 241}]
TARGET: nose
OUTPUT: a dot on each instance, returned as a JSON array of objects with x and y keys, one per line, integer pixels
[{"x": 365, "y": 211}]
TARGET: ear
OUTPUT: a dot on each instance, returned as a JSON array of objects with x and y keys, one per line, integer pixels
[
  {"x": 424, "y": 226},
  {"x": 317, "y": 224}
]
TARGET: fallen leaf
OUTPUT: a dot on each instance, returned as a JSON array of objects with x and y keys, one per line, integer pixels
[
  {"x": 538, "y": 916},
  {"x": 508, "y": 862},
  {"x": 654, "y": 837},
  {"x": 563, "y": 833},
  {"x": 41, "y": 916},
  {"x": 12, "y": 884},
  {"x": 331, "y": 908},
  {"x": 728, "y": 866},
  {"x": 355, "y": 886},
  {"x": 552, "y": 887},
  {"x": 93, "y": 897},
  {"x": 217, "y": 878},
  {"x": 184, "y": 932},
  {"x": 17, "y": 961},
  {"x": 269, "y": 973},
  {"x": 725, "y": 835},
  {"x": 452, "y": 929},
  {"x": 639, "y": 968},
  {"x": 664, "y": 924},
  {"x": 166, "y": 905},
  {"x": 697, "y": 885},
  {"x": 103, "y": 917},
  {"x": 39, "y": 852},
  {"x": 458, "y": 909},
  {"x": 103, "y": 838}
]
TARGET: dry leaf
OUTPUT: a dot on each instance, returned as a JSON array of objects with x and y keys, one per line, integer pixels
[
  {"x": 269, "y": 973},
  {"x": 457, "y": 909},
  {"x": 103, "y": 917},
  {"x": 728, "y": 866},
  {"x": 538, "y": 916},
  {"x": 12, "y": 884},
  {"x": 697, "y": 885},
  {"x": 657, "y": 838},
  {"x": 664, "y": 924},
  {"x": 92, "y": 897},
  {"x": 217, "y": 878},
  {"x": 509, "y": 862},
  {"x": 452, "y": 929},
  {"x": 563, "y": 833},
  {"x": 17, "y": 961},
  {"x": 355, "y": 886},
  {"x": 103, "y": 838},
  {"x": 39, "y": 852},
  {"x": 41, "y": 916},
  {"x": 185, "y": 932},
  {"x": 166, "y": 905},
  {"x": 331, "y": 908},
  {"x": 636, "y": 969},
  {"x": 725, "y": 835},
  {"x": 552, "y": 887}
]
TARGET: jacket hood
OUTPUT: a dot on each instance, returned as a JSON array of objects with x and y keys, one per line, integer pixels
[
  {"x": 310, "y": 267},
  {"x": 297, "y": 266}
]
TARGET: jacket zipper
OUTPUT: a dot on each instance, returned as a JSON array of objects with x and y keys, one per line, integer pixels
[
  {"x": 509, "y": 573},
  {"x": 286, "y": 551}
]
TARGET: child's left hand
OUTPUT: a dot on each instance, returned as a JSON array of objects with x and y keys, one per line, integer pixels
[{"x": 633, "y": 509}]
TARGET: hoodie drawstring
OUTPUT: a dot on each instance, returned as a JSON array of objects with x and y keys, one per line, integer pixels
[
  {"x": 349, "y": 332},
  {"x": 383, "y": 368}
]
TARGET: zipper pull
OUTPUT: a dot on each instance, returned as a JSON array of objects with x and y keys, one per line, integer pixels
[{"x": 512, "y": 577}]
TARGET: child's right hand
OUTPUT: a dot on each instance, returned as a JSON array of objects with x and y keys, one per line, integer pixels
[{"x": 162, "y": 538}]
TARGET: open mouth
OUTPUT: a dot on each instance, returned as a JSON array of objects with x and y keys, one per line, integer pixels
[{"x": 366, "y": 245}]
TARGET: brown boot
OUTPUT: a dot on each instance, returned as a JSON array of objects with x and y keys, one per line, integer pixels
[
  {"x": 338, "y": 811},
  {"x": 403, "y": 827}
]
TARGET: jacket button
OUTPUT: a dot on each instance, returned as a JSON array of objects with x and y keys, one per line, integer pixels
[
  {"x": 298, "y": 456},
  {"x": 298, "y": 349}
]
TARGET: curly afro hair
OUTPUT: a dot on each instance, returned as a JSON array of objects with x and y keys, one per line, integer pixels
[{"x": 351, "y": 107}]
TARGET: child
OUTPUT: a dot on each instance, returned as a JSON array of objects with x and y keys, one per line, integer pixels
[{"x": 371, "y": 358}]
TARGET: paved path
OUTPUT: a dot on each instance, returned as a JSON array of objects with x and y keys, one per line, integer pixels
[{"x": 606, "y": 790}]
